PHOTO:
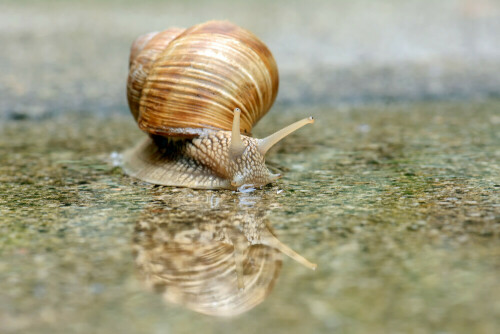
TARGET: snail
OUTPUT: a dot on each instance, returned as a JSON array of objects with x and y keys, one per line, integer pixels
[{"x": 198, "y": 92}]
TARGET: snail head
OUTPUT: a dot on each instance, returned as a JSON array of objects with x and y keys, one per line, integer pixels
[{"x": 247, "y": 155}]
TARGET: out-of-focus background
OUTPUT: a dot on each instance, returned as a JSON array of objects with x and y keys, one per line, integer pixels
[{"x": 61, "y": 55}]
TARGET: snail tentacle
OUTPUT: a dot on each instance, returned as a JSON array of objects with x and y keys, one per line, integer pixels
[
  {"x": 266, "y": 143},
  {"x": 236, "y": 147}
]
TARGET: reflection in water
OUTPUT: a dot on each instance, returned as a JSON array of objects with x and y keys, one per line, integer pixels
[{"x": 214, "y": 255}]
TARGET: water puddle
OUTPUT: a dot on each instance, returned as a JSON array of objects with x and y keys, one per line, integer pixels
[{"x": 214, "y": 254}]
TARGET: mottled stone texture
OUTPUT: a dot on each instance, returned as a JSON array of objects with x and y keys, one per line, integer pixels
[{"x": 398, "y": 206}]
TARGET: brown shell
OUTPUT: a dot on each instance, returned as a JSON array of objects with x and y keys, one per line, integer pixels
[
  {"x": 145, "y": 49},
  {"x": 199, "y": 78},
  {"x": 139, "y": 44}
]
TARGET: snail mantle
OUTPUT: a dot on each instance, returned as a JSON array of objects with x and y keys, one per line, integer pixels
[{"x": 197, "y": 93}]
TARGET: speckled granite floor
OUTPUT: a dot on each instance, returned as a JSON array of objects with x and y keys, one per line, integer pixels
[{"x": 398, "y": 206}]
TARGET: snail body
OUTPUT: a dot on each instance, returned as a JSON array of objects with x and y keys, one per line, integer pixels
[{"x": 194, "y": 92}]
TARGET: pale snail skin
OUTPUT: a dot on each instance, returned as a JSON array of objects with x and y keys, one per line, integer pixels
[
  {"x": 221, "y": 160},
  {"x": 185, "y": 86}
]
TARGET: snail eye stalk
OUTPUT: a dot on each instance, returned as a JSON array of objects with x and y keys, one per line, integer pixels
[
  {"x": 266, "y": 143},
  {"x": 236, "y": 147}
]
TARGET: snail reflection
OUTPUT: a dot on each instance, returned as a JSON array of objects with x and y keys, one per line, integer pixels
[{"x": 209, "y": 257}]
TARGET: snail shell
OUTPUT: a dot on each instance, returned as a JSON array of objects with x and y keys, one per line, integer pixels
[
  {"x": 206, "y": 84},
  {"x": 144, "y": 51},
  {"x": 184, "y": 80}
]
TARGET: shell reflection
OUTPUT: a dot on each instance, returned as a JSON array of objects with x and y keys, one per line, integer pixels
[{"x": 213, "y": 261}]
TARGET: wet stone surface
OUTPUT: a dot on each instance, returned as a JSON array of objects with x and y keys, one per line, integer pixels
[{"x": 399, "y": 206}]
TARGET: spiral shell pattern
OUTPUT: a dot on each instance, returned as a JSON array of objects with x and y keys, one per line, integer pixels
[
  {"x": 145, "y": 49},
  {"x": 199, "y": 77}
]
